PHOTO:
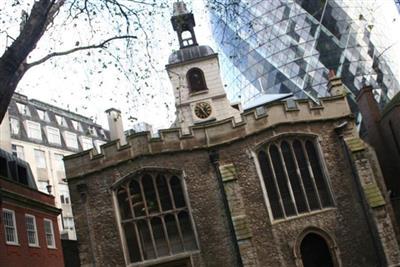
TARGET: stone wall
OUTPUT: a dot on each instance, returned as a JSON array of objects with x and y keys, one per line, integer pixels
[
  {"x": 376, "y": 200},
  {"x": 382, "y": 133},
  {"x": 206, "y": 206},
  {"x": 345, "y": 223},
  {"x": 262, "y": 241}
]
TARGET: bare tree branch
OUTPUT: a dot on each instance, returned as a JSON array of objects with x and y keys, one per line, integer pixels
[
  {"x": 67, "y": 52},
  {"x": 17, "y": 52},
  {"x": 13, "y": 63},
  {"x": 54, "y": 10}
]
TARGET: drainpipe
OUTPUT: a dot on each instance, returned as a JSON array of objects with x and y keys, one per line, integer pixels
[
  {"x": 214, "y": 160},
  {"x": 365, "y": 207}
]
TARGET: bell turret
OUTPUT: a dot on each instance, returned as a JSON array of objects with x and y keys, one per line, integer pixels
[
  {"x": 195, "y": 76},
  {"x": 183, "y": 23}
]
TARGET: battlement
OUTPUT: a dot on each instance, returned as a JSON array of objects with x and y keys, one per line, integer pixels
[{"x": 206, "y": 135}]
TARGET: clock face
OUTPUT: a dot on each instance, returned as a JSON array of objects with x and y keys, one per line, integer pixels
[{"x": 202, "y": 110}]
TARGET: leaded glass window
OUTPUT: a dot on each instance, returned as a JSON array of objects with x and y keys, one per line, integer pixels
[
  {"x": 294, "y": 178},
  {"x": 154, "y": 216}
]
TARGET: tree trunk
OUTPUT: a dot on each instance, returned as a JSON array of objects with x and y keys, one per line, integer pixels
[{"x": 12, "y": 61}]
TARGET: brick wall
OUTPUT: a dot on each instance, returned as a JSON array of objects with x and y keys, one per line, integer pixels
[
  {"x": 22, "y": 254},
  {"x": 383, "y": 135}
]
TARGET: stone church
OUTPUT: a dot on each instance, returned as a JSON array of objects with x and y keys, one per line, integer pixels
[{"x": 281, "y": 183}]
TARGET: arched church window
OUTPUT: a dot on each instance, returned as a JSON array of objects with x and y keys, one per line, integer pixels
[
  {"x": 154, "y": 216},
  {"x": 196, "y": 80},
  {"x": 293, "y": 176},
  {"x": 271, "y": 185}
]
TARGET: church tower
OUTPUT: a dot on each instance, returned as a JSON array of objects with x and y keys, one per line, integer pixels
[{"x": 195, "y": 76}]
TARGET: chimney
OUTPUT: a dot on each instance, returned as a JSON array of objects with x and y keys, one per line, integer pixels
[
  {"x": 371, "y": 115},
  {"x": 367, "y": 104},
  {"x": 335, "y": 85},
  {"x": 115, "y": 124}
]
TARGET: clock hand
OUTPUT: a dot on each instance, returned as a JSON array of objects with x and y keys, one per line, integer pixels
[{"x": 203, "y": 111}]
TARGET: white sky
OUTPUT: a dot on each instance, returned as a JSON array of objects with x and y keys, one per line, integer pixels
[{"x": 78, "y": 83}]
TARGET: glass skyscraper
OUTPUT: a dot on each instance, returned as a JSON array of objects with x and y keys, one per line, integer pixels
[
  {"x": 289, "y": 46},
  {"x": 398, "y": 4}
]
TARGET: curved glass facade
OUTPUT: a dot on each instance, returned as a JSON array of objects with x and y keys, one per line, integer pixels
[{"x": 282, "y": 46}]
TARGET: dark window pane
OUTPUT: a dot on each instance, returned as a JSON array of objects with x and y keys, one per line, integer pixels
[
  {"x": 159, "y": 237},
  {"x": 123, "y": 203},
  {"x": 150, "y": 194},
  {"x": 3, "y": 167},
  {"x": 173, "y": 234},
  {"x": 293, "y": 177},
  {"x": 22, "y": 175},
  {"x": 176, "y": 188},
  {"x": 281, "y": 179},
  {"x": 165, "y": 199},
  {"x": 12, "y": 166},
  {"x": 305, "y": 175},
  {"x": 196, "y": 81},
  {"x": 272, "y": 192},
  {"x": 187, "y": 231},
  {"x": 132, "y": 242},
  {"x": 145, "y": 240},
  {"x": 136, "y": 198},
  {"x": 318, "y": 176}
]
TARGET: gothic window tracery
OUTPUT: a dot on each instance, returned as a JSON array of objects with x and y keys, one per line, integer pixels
[
  {"x": 196, "y": 80},
  {"x": 154, "y": 216},
  {"x": 294, "y": 177}
]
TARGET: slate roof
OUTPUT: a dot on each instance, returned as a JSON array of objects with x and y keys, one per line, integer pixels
[
  {"x": 33, "y": 105},
  {"x": 12, "y": 174},
  {"x": 190, "y": 53}
]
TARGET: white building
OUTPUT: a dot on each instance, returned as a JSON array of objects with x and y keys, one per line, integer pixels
[{"x": 42, "y": 134}]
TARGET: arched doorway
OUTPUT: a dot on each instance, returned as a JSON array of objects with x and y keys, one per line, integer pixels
[{"x": 315, "y": 251}]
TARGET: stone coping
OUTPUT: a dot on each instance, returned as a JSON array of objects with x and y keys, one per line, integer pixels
[{"x": 205, "y": 136}]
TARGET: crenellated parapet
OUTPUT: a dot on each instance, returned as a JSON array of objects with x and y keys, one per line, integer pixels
[{"x": 206, "y": 135}]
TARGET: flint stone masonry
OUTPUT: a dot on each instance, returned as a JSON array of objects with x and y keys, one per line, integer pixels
[
  {"x": 262, "y": 241},
  {"x": 363, "y": 161},
  {"x": 238, "y": 215}
]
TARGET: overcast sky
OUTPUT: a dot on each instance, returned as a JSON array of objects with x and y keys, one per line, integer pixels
[{"x": 77, "y": 83}]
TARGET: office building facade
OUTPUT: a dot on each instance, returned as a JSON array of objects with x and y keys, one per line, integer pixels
[
  {"x": 289, "y": 46},
  {"x": 42, "y": 135}
]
